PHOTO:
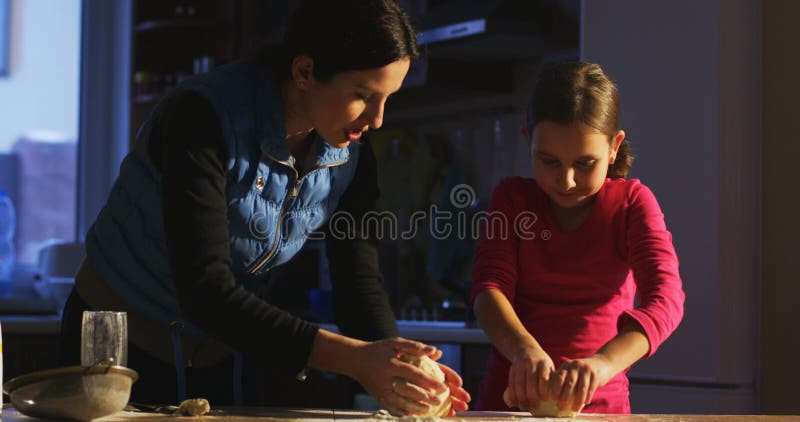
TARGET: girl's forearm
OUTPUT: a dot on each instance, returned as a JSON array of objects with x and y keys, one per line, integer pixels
[
  {"x": 501, "y": 324},
  {"x": 625, "y": 349}
]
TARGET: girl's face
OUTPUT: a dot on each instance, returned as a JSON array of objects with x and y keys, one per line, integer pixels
[
  {"x": 348, "y": 104},
  {"x": 570, "y": 161}
]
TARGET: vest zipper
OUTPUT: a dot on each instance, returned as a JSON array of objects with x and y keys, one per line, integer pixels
[{"x": 291, "y": 195}]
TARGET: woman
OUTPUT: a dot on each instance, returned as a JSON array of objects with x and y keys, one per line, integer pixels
[{"x": 227, "y": 179}]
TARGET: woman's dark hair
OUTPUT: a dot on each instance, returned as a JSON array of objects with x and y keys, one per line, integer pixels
[
  {"x": 342, "y": 35},
  {"x": 571, "y": 92}
]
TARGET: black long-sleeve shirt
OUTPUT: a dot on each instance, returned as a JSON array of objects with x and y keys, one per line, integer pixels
[{"x": 189, "y": 150}]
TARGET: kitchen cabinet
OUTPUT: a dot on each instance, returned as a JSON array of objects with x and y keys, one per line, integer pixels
[{"x": 175, "y": 39}]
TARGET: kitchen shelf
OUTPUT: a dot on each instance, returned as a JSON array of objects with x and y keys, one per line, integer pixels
[
  {"x": 182, "y": 23},
  {"x": 147, "y": 99},
  {"x": 428, "y": 103}
]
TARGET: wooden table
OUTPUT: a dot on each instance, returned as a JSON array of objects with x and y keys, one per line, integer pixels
[{"x": 318, "y": 415}]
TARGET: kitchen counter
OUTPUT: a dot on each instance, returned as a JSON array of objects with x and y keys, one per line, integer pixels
[
  {"x": 435, "y": 332},
  {"x": 318, "y": 415},
  {"x": 425, "y": 331}
]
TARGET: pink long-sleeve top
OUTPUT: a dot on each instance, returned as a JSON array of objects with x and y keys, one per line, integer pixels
[{"x": 574, "y": 291}]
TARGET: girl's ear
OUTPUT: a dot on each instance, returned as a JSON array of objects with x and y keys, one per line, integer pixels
[
  {"x": 302, "y": 71},
  {"x": 615, "y": 143}
]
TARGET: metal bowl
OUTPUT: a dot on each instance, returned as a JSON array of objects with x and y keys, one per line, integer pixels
[{"x": 74, "y": 392}]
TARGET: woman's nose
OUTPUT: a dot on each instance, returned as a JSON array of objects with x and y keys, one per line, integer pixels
[{"x": 374, "y": 115}]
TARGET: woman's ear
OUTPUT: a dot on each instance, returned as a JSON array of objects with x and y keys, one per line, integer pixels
[{"x": 303, "y": 71}]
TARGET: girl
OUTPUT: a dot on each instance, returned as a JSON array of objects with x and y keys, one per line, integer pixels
[
  {"x": 228, "y": 177},
  {"x": 558, "y": 306}
]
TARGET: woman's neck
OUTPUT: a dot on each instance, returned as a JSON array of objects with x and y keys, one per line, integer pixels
[{"x": 297, "y": 125}]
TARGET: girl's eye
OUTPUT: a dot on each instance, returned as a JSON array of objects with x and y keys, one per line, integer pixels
[
  {"x": 549, "y": 162},
  {"x": 586, "y": 164},
  {"x": 362, "y": 97}
]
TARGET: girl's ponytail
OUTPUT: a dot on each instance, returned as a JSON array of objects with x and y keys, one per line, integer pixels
[{"x": 622, "y": 164}]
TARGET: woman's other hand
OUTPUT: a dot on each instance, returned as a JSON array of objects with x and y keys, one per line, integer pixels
[
  {"x": 459, "y": 397},
  {"x": 380, "y": 371}
]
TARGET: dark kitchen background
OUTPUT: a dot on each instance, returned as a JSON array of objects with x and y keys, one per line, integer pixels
[{"x": 707, "y": 98}]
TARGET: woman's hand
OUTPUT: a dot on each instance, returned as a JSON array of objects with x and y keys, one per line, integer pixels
[
  {"x": 577, "y": 380},
  {"x": 381, "y": 373},
  {"x": 459, "y": 397},
  {"x": 528, "y": 377}
]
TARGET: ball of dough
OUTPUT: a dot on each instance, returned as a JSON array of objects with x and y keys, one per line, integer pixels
[
  {"x": 547, "y": 408},
  {"x": 430, "y": 368},
  {"x": 194, "y": 407}
]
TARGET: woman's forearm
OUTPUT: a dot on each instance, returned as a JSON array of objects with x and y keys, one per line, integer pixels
[{"x": 334, "y": 353}]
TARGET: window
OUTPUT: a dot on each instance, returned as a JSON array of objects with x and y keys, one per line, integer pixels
[{"x": 39, "y": 102}]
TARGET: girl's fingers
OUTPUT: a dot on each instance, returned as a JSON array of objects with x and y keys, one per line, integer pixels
[
  {"x": 531, "y": 389},
  {"x": 519, "y": 389},
  {"x": 570, "y": 381},
  {"x": 593, "y": 385},
  {"x": 556, "y": 384},
  {"x": 544, "y": 378},
  {"x": 581, "y": 391}
]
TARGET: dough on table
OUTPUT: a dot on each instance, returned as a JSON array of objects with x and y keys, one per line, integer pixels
[
  {"x": 194, "y": 407},
  {"x": 430, "y": 368},
  {"x": 547, "y": 408}
]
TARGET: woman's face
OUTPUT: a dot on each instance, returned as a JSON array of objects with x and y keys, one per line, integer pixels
[
  {"x": 570, "y": 162},
  {"x": 348, "y": 104}
]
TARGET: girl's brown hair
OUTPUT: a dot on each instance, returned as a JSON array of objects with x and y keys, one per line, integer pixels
[{"x": 570, "y": 92}]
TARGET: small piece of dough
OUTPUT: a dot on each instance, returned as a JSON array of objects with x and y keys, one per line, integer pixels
[
  {"x": 548, "y": 408},
  {"x": 194, "y": 407},
  {"x": 430, "y": 368}
]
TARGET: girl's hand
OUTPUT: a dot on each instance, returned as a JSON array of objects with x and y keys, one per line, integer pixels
[
  {"x": 459, "y": 397},
  {"x": 378, "y": 370},
  {"x": 528, "y": 377},
  {"x": 576, "y": 381}
]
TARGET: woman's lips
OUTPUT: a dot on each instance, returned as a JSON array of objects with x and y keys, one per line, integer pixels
[{"x": 353, "y": 134}]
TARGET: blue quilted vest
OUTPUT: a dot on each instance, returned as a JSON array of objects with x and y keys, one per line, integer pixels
[{"x": 271, "y": 208}]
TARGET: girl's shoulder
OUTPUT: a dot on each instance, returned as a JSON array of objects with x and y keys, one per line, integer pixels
[{"x": 626, "y": 192}]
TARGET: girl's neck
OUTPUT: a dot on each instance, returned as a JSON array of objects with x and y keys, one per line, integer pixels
[{"x": 570, "y": 219}]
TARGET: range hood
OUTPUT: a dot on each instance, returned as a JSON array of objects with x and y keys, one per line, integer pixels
[{"x": 482, "y": 29}]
